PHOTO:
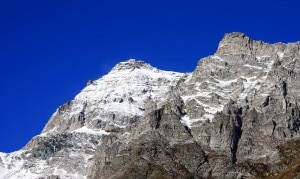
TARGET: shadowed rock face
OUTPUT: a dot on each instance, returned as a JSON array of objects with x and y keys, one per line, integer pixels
[
  {"x": 235, "y": 116},
  {"x": 162, "y": 147}
]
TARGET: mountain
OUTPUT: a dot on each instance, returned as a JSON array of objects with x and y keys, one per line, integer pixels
[{"x": 235, "y": 116}]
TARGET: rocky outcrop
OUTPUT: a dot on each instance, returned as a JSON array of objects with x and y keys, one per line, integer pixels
[{"x": 160, "y": 148}]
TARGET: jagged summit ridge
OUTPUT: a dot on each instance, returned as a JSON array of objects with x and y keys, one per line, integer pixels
[
  {"x": 132, "y": 64},
  {"x": 235, "y": 43},
  {"x": 240, "y": 43},
  {"x": 120, "y": 94}
]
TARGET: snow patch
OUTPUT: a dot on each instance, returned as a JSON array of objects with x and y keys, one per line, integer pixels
[
  {"x": 217, "y": 57},
  {"x": 208, "y": 117},
  {"x": 84, "y": 129},
  {"x": 187, "y": 121},
  {"x": 252, "y": 66},
  {"x": 213, "y": 109},
  {"x": 280, "y": 54},
  {"x": 203, "y": 93},
  {"x": 249, "y": 84},
  {"x": 262, "y": 57},
  {"x": 223, "y": 83},
  {"x": 269, "y": 66},
  {"x": 2, "y": 154},
  {"x": 3, "y": 171},
  {"x": 210, "y": 110}
]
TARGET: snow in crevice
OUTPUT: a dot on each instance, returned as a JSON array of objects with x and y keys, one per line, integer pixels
[
  {"x": 187, "y": 121},
  {"x": 280, "y": 54},
  {"x": 253, "y": 67},
  {"x": 224, "y": 83},
  {"x": 203, "y": 93},
  {"x": 249, "y": 84},
  {"x": 208, "y": 116},
  {"x": 259, "y": 58},
  {"x": 269, "y": 66},
  {"x": 214, "y": 109},
  {"x": 210, "y": 110},
  {"x": 87, "y": 130}
]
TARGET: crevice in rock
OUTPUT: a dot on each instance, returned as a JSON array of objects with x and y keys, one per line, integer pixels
[
  {"x": 81, "y": 116},
  {"x": 65, "y": 107},
  {"x": 158, "y": 118},
  {"x": 284, "y": 88},
  {"x": 236, "y": 133},
  {"x": 188, "y": 130},
  {"x": 266, "y": 102},
  {"x": 221, "y": 128},
  {"x": 274, "y": 126}
]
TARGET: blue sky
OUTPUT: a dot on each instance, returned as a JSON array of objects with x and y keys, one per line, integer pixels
[{"x": 49, "y": 49}]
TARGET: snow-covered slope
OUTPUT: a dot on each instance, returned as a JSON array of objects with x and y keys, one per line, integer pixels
[
  {"x": 112, "y": 103},
  {"x": 116, "y": 99},
  {"x": 128, "y": 87}
]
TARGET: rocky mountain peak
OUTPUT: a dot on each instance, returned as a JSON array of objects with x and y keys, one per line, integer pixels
[
  {"x": 233, "y": 43},
  {"x": 234, "y": 35},
  {"x": 132, "y": 64},
  {"x": 236, "y": 116}
]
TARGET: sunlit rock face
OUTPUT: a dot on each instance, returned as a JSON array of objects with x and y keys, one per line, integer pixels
[{"x": 235, "y": 116}]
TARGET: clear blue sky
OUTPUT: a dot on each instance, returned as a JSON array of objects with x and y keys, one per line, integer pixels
[{"x": 49, "y": 49}]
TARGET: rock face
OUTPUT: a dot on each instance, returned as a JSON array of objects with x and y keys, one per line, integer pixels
[{"x": 235, "y": 116}]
